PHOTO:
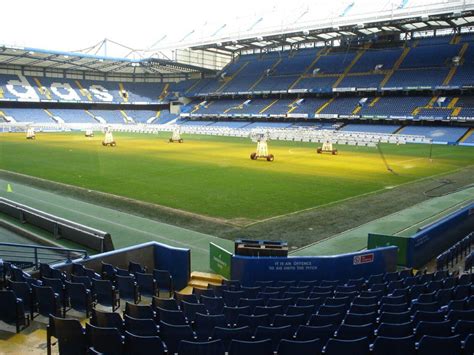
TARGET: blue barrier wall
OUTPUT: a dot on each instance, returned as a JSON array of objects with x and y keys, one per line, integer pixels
[
  {"x": 176, "y": 260},
  {"x": 337, "y": 267},
  {"x": 153, "y": 255},
  {"x": 436, "y": 238}
]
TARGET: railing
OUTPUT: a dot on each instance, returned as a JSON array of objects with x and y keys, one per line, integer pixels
[{"x": 26, "y": 256}]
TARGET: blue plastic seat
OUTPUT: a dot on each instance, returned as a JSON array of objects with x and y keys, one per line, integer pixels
[
  {"x": 363, "y": 309},
  {"x": 12, "y": 310},
  {"x": 227, "y": 334},
  {"x": 91, "y": 274},
  {"x": 252, "y": 303},
  {"x": 252, "y": 321},
  {"x": 353, "y": 347},
  {"x": 444, "y": 295},
  {"x": 47, "y": 301},
  {"x": 276, "y": 289},
  {"x": 146, "y": 284},
  {"x": 392, "y": 300},
  {"x": 164, "y": 303},
  {"x": 275, "y": 334},
  {"x": 320, "y": 319},
  {"x": 437, "y": 329},
  {"x": 107, "y": 320},
  {"x": 214, "y": 305},
  {"x": 428, "y": 317},
  {"x": 172, "y": 317},
  {"x": 315, "y": 302},
  {"x": 108, "y": 271},
  {"x": 333, "y": 301},
  {"x": 79, "y": 297},
  {"x": 141, "y": 345},
  {"x": 134, "y": 267},
  {"x": 217, "y": 289},
  {"x": 359, "y": 319},
  {"x": 395, "y": 330},
  {"x": 58, "y": 287},
  {"x": 25, "y": 293},
  {"x": 300, "y": 347},
  {"x": 233, "y": 285},
  {"x": 262, "y": 347},
  {"x": 78, "y": 269},
  {"x": 328, "y": 310},
  {"x": 462, "y": 291},
  {"x": 463, "y": 328},
  {"x": 469, "y": 345},
  {"x": 270, "y": 311},
  {"x": 384, "y": 345},
  {"x": 142, "y": 327},
  {"x": 201, "y": 348},
  {"x": 365, "y": 301},
  {"x": 251, "y": 291},
  {"x": 139, "y": 311},
  {"x": 205, "y": 324},
  {"x": 294, "y": 321},
  {"x": 430, "y": 345},
  {"x": 70, "y": 334},
  {"x": 232, "y": 298},
  {"x": 164, "y": 281},
  {"x": 104, "y": 340},
  {"x": 106, "y": 294},
  {"x": 263, "y": 283},
  {"x": 395, "y": 318},
  {"x": 283, "y": 302},
  {"x": 128, "y": 288},
  {"x": 190, "y": 298},
  {"x": 350, "y": 332},
  {"x": 394, "y": 308},
  {"x": 427, "y": 307},
  {"x": 173, "y": 334},
  {"x": 190, "y": 310},
  {"x": 310, "y": 283},
  {"x": 306, "y": 310},
  {"x": 231, "y": 313},
  {"x": 454, "y": 315},
  {"x": 83, "y": 279},
  {"x": 203, "y": 292},
  {"x": 307, "y": 332}
]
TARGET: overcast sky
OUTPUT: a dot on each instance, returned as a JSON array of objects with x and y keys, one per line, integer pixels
[
  {"x": 67, "y": 25},
  {"x": 73, "y": 25}
]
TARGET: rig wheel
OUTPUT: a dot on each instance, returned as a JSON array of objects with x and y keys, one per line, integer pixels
[
  {"x": 253, "y": 156},
  {"x": 270, "y": 157},
  {"x": 180, "y": 141}
]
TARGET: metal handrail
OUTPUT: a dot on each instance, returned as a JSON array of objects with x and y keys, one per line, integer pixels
[{"x": 37, "y": 254}]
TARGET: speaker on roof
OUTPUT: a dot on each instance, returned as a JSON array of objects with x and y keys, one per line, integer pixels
[
  {"x": 316, "y": 71},
  {"x": 456, "y": 60}
]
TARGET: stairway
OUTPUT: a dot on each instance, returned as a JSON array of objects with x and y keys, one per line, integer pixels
[
  {"x": 226, "y": 82},
  {"x": 349, "y": 67},
  {"x": 319, "y": 110},
  {"x": 264, "y": 75},
  {"x": 201, "y": 280},
  {"x": 322, "y": 52},
  {"x": 43, "y": 90},
  {"x": 466, "y": 135},
  {"x": 83, "y": 91},
  {"x": 397, "y": 64},
  {"x": 454, "y": 68}
]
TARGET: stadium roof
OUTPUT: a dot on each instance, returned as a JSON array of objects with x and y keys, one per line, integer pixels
[
  {"x": 322, "y": 23},
  {"x": 57, "y": 60}
]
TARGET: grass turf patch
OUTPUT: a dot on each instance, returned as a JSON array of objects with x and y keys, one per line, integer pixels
[{"x": 214, "y": 176}]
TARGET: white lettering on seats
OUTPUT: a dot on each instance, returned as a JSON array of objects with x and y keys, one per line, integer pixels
[
  {"x": 101, "y": 93},
  {"x": 27, "y": 92},
  {"x": 65, "y": 92}
]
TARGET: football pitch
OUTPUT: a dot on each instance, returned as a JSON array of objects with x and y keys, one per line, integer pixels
[{"x": 214, "y": 176}]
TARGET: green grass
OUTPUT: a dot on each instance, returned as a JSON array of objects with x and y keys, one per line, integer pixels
[{"x": 214, "y": 176}]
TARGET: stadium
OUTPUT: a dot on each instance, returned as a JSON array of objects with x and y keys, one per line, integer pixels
[{"x": 296, "y": 180}]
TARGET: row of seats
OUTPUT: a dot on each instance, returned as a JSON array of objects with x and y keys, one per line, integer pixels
[
  {"x": 455, "y": 253},
  {"x": 108, "y": 333},
  {"x": 56, "y": 292}
]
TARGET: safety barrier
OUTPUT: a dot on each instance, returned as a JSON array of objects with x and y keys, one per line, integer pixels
[
  {"x": 60, "y": 228},
  {"x": 337, "y": 267}
]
